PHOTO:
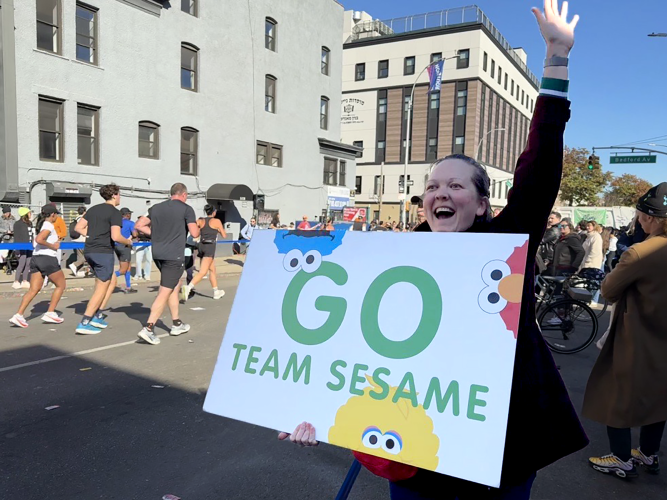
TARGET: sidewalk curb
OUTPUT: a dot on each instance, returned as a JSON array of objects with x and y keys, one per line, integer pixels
[{"x": 11, "y": 294}]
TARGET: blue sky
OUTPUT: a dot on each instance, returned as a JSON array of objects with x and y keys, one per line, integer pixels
[{"x": 618, "y": 75}]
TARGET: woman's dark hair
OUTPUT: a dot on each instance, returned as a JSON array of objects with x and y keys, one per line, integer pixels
[
  {"x": 26, "y": 220},
  {"x": 209, "y": 209},
  {"x": 479, "y": 178},
  {"x": 275, "y": 221},
  {"x": 41, "y": 218}
]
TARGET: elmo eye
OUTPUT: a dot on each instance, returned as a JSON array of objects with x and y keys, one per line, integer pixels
[
  {"x": 495, "y": 271},
  {"x": 490, "y": 301},
  {"x": 372, "y": 438},
  {"x": 392, "y": 443},
  {"x": 293, "y": 260},
  {"x": 312, "y": 261}
]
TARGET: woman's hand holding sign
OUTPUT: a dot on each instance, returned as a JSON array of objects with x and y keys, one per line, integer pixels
[{"x": 303, "y": 435}]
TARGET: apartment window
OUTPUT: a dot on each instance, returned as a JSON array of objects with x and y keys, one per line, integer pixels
[
  {"x": 380, "y": 153},
  {"x": 523, "y": 96},
  {"x": 485, "y": 64},
  {"x": 518, "y": 93},
  {"x": 436, "y": 56},
  {"x": 324, "y": 113},
  {"x": 406, "y": 106},
  {"x": 189, "y": 67},
  {"x": 48, "y": 25},
  {"x": 459, "y": 144},
  {"x": 493, "y": 68},
  {"x": 270, "y": 33},
  {"x": 50, "y": 129},
  {"x": 463, "y": 60},
  {"x": 270, "y": 94},
  {"x": 376, "y": 184},
  {"x": 86, "y": 34},
  {"x": 532, "y": 105},
  {"x": 435, "y": 100},
  {"x": 189, "y": 7},
  {"x": 360, "y": 72},
  {"x": 500, "y": 75},
  {"x": 149, "y": 140},
  {"x": 505, "y": 81},
  {"x": 189, "y": 149},
  {"x": 401, "y": 187},
  {"x": 359, "y": 144},
  {"x": 383, "y": 68},
  {"x": 269, "y": 154},
  {"x": 512, "y": 87},
  {"x": 432, "y": 150},
  {"x": 87, "y": 122},
  {"x": 382, "y": 109},
  {"x": 357, "y": 184},
  {"x": 330, "y": 172},
  {"x": 408, "y": 66},
  {"x": 461, "y": 102},
  {"x": 325, "y": 60},
  {"x": 342, "y": 173}
]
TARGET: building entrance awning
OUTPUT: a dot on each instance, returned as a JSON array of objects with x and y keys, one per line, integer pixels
[{"x": 239, "y": 192}]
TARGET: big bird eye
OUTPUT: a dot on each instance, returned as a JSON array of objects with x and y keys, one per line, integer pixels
[
  {"x": 392, "y": 443},
  {"x": 311, "y": 261},
  {"x": 495, "y": 271},
  {"x": 372, "y": 438},
  {"x": 293, "y": 260}
]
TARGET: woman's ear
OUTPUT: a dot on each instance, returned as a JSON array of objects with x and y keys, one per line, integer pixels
[{"x": 484, "y": 207}]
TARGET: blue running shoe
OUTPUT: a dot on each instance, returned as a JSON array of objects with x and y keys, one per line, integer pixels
[
  {"x": 88, "y": 329},
  {"x": 98, "y": 323}
]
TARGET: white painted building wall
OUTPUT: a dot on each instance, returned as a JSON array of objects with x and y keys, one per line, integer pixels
[{"x": 138, "y": 78}]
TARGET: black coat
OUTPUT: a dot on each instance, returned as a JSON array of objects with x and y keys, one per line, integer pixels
[
  {"x": 543, "y": 425},
  {"x": 568, "y": 255},
  {"x": 548, "y": 243}
]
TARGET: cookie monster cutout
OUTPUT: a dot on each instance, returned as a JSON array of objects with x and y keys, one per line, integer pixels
[
  {"x": 505, "y": 287},
  {"x": 305, "y": 249}
]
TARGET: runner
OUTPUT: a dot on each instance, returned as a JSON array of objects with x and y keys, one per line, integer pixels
[
  {"x": 168, "y": 224},
  {"x": 124, "y": 252},
  {"x": 101, "y": 226},
  {"x": 209, "y": 227},
  {"x": 44, "y": 263}
]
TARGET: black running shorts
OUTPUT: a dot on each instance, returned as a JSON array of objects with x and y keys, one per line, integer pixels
[
  {"x": 123, "y": 253},
  {"x": 206, "y": 250},
  {"x": 45, "y": 265},
  {"x": 170, "y": 272}
]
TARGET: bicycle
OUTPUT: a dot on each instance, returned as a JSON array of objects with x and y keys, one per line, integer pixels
[
  {"x": 591, "y": 280},
  {"x": 567, "y": 323}
]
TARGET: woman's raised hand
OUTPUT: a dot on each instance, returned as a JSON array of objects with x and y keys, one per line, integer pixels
[
  {"x": 303, "y": 435},
  {"x": 557, "y": 32}
]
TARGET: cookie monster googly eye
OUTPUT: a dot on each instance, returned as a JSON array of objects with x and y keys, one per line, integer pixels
[
  {"x": 311, "y": 261},
  {"x": 293, "y": 260}
]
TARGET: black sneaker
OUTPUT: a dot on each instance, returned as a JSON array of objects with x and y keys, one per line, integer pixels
[
  {"x": 130, "y": 290},
  {"x": 651, "y": 464}
]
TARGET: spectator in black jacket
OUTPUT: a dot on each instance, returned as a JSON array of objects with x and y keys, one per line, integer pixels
[
  {"x": 549, "y": 240},
  {"x": 568, "y": 253}
]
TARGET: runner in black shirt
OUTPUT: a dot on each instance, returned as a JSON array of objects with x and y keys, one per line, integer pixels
[
  {"x": 168, "y": 224},
  {"x": 101, "y": 226}
]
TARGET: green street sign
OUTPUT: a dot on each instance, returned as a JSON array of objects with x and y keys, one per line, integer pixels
[{"x": 633, "y": 159}]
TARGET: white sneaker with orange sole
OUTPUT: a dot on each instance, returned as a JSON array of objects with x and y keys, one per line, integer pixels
[
  {"x": 19, "y": 321},
  {"x": 52, "y": 317}
]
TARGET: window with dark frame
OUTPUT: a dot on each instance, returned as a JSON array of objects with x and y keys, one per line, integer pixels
[
  {"x": 269, "y": 154},
  {"x": 500, "y": 75},
  {"x": 48, "y": 25},
  {"x": 505, "y": 80},
  {"x": 189, "y": 150},
  {"x": 381, "y": 152},
  {"x": 359, "y": 72},
  {"x": 400, "y": 185},
  {"x": 342, "y": 173},
  {"x": 382, "y": 109},
  {"x": 435, "y": 100},
  {"x": 149, "y": 140},
  {"x": 330, "y": 172},
  {"x": 357, "y": 184},
  {"x": 523, "y": 97},
  {"x": 436, "y": 56},
  {"x": 383, "y": 68},
  {"x": 518, "y": 93},
  {"x": 409, "y": 65},
  {"x": 359, "y": 144},
  {"x": 189, "y": 7},
  {"x": 432, "y": 149},
  {"x": 459, "y": 145},
  {"x": 325, "y": 60},
  {"x": 376, "y": 184},
  {"x": 270, "y": 33},
  {"x": 189, "y": 67},
  {"x": 485, "y": 64},
  {"x": 87, "y": 123},
  {"x": 463, "y": 60},
  {"x": 493, "y": 68},
  {"x": 86, "y": 34},
  {"x": 324, "y": 113},
  {"x": 461, "y": 102},
  {"x": 50, "y": 118},
  {"x": 270, "y": 84},
  {"x": 512, "y": 87}
]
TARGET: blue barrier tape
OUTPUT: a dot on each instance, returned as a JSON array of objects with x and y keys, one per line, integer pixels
[{"x": 71, "y": 245}]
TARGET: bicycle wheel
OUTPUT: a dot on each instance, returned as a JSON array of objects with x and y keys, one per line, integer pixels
[{"x": 568, "y": 326}]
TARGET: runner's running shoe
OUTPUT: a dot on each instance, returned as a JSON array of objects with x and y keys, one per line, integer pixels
[
  {"x": 180, "y": 329},
  {"x": 185, "y": 292},
  {"x": 98, "y": 322},
  {"x": 652, "y": 463},
  {"x": 146, "y": 335},
  {"x": 88, "y": 329},
  {"x": 611, "y": 464},
  {"x": 19, "y": 321},
  {"x": 218, "y": 294},
  {"x": 52, "y": 317}
]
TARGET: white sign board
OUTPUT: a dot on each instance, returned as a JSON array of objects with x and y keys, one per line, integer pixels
[{"x": 396, "y": 345}]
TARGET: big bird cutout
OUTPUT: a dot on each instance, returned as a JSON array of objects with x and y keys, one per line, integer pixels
[{"x": 395, "y": 431}]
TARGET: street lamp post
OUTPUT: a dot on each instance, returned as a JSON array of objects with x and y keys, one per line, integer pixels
[
  {"x": 481, "y": 141},
  {"x": 406, "y": 146}
]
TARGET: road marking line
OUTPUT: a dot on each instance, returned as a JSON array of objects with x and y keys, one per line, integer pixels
[{"x": 72, "y": 355}]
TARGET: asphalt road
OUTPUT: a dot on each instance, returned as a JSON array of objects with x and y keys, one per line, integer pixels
[{"x": 116, "y": 436}]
